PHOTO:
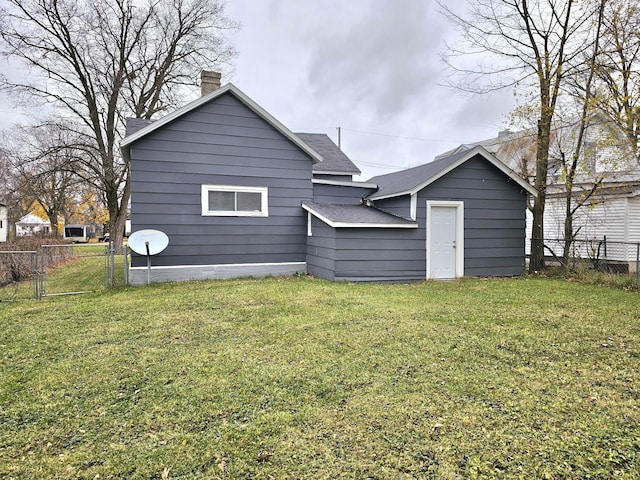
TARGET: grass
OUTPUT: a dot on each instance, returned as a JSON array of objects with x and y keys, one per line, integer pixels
[
  {"x": 83, "y": 271},
  {"x": 300, "y": 378}
]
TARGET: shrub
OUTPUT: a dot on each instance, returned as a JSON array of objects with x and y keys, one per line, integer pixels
[{"x": 16, "y": 266}]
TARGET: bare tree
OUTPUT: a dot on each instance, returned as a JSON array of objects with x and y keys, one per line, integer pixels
[
  {"x": 47, "y": 163},
  {"x": 618, "y": 70},
  {"x": 15, "y": 194},
  {"x": 528, "y": 44},
  {"x": 582, "y": 83},
  {"x": 95, "y": 62}
]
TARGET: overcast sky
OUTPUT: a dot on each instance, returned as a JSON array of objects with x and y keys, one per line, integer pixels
[{"x": 371, "y": 67}]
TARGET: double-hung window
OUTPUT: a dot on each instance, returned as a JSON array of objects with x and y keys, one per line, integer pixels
[{"x": 235, "y": 201}]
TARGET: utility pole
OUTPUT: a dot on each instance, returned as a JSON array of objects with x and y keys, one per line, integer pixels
[{"x": 339, "y": 137}]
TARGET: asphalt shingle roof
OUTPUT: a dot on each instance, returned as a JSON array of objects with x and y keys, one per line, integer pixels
[
  {"x": 135, "y": 124},
  {"x": 413, "y": 179},
  {"x": 333, "y": 159},
  {"x": 404, "y": 181},
  {"x": 355, "y": 214}
]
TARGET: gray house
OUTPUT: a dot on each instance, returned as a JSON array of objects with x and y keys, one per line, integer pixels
[
  {"x": 463, "y": 215},
  {"x": 239, "y": 194}
]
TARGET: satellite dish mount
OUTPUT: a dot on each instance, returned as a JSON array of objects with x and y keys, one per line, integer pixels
[{"x": 148, "y": 242}]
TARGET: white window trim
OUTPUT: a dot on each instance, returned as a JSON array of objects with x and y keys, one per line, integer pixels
[{"x": 263, "y": 191}]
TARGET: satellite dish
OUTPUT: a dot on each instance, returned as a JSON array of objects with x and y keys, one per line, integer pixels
[{"x": 148, "y": 242}]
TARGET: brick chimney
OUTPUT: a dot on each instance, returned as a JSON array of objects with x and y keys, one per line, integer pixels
[{"x": 209, "y": 82}]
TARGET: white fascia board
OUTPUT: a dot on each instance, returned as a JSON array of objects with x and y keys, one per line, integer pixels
[
  {"x": 333, "y": 224},
  {"x": 336, "y": 172},
  {"x": 413, "y": 208},
  {"x": 470, "y": 154},
  {"x": 128, "y": 140},
  {"x": 342, "y": 183},
  {"x": 487, "y": 155},
  {"x": 505, "y": 169},
  {"x": 391, "y": 195},
  {"x": 372, "y": 225}
]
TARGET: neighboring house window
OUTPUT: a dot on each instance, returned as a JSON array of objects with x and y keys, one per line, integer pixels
[{"x": 235, "y": 201}]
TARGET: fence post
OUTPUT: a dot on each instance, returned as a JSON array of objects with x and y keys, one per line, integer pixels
[
  {"x": 637, "y": 264},
  {"x": 43, "y": 272},
  {"x": 36, "y": 276},
  {"x": 125, "y": 249}
]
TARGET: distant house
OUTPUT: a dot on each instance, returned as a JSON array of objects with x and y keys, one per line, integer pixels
[
  {"x": 32, "y": 225},
  {"x": 239, "y": 194},
  {"x": 612, "y": 210},
  {"x": 4, "y": 223}
]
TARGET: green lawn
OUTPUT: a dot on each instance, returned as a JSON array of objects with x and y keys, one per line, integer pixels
[{"x": 303, "y": 379}]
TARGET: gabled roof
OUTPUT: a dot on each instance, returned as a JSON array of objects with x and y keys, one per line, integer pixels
[
  {"x": 334, "y": 161},
  {"x": 32, "y": 219},
  {"x": 493, "y": 145},
  {"x": 603, "y": 192},
  {"x": 358, "y": 216},
  {"x": 412, "y": 180},
  {"x": 126, "y": 142}
]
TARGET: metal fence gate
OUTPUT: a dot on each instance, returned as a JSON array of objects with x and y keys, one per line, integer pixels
[
  {"x": 18, "y": 275},
  {"x": 66, "y": 269}
]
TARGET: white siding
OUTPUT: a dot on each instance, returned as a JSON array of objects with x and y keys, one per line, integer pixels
[
  {"x": 617, "y": 218},
  {"x": 4, "y": 223},
  {"x": 634, "y": 219}
]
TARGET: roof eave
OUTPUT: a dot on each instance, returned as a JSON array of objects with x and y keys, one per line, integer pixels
[
  {"x": 336, "y": 172},
  {"x": 343, "y": 183},
  {"x": 468, "y": 155},
  {"x": 334, "y": 224},
  {"x": 389, "y": 195},
  {"x": 231, "y": 88}
]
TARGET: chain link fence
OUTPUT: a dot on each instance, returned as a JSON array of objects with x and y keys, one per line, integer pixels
[
  {"x": 63, "y": 269},
  {"x": 601, "y": 254},
  {"x": 18, "y": 275}
]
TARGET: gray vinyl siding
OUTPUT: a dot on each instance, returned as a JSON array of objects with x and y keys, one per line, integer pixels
[
  {"x": 220, "y": 143},
  {"x": 340, "y": 194},
  {"x": 494, "y": 216},
  {"x": 379, "y": 254},
  {"x": 400, "y": 206},
  {"x": 321, "y": 246},
  {"x": 364, "y": 254},
  {"x": 333, "y": 178}
]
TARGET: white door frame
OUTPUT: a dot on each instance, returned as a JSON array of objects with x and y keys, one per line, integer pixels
[{"x": 459, "y": 206}]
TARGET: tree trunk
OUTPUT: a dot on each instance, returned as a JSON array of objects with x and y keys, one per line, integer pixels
[
  {"x": 536, "y": 260},
  {"x": 568, "y": 230},
  {"x": 53, "y": 218}
]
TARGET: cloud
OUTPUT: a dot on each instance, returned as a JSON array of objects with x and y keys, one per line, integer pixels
[
  {"x": 368, "y": 66},
  {"x": 377, "y": 56}
]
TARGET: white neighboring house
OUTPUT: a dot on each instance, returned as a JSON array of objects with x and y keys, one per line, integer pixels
[
  {"x": 613, "y": 211},
  {"x": 4, "y": 223},
  {"x": 32, "y": 224}
]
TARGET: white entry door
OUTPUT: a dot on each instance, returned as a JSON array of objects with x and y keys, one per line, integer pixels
[{"x": 445, "y": 251}]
